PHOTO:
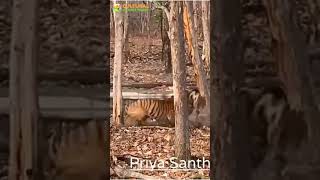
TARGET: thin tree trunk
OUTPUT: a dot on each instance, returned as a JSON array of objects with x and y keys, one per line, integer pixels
[
  {"x": 29, "y": 113},
  {"x": 126, "y": 37},
  {"x": 16, "y": 59},
  {"x": 111, "y": 20},
  {"x": 206, "y": 32},
  {"x": 148, "y": 27},
  {"x": 182, "y": 141},
  {"x": 165, "y": 38},
  {"x": 162, "y": 36},
  {"x": 190, "y": 33},
  {"x": 166, "y": 51},
  {"x": 118, "y": 58},
  {"x": 142, "y": 22},
  {"x": 23, "y": 92}
]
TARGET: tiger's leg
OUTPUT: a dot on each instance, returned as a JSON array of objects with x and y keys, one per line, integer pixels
[{"x": 136, "y": 117}]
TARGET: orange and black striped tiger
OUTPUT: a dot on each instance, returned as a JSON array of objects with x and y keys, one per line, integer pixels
[{"x": 162, "y": 111}]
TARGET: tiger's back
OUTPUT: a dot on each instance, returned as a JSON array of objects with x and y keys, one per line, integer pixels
[
  {"x": 162, "y": 111},
  {"x": 139, "y": 111}
]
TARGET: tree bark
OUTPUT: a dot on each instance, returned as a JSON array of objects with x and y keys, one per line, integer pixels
[
  {"x": 23, "y": 163},
  {"x": 295, "y": 71},
  {"x": 228, "y": 117},
  {"x": 191, "y": 37},
  {"x": 111, "y": 21},
  {"x": 118, "y": 58},
  {"x": 30, "y": 111},
  {"x": 182, "y": 141},
  {"x": 206, "y": 32},
  {"x": 16, "y": 59},
  {"x": 195, "y": 16},
  {"x": 148, "y": 20},
  {"x": 166, "y": 51},
  {"x": 126, "y": 49},
  {"x": 293, "y": 61}
]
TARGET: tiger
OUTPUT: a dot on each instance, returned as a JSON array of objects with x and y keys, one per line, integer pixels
[{"x": 160, "y": 111}]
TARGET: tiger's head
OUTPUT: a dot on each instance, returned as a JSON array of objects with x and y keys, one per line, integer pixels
[{"x": 195, "y": 100}]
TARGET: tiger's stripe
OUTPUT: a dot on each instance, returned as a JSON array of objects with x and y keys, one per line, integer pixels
[{"x": 161, "y": 110}]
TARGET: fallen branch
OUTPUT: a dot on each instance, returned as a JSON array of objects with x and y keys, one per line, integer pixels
[
  {"x": 152, "y": 85},
  {"x": 137, "y": 95}
]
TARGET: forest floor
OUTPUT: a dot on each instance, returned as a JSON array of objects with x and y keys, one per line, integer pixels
[
  {"x": 145, "y": 65},
  {"x": 154, "y": 144},
  {"x": 157, "y": 144}
]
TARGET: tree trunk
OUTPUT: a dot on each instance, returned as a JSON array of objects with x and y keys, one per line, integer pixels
[
  {"x": 118, "y": 57},
  {"x": 191, "y": 37},
  {"x": 142, "y": 18},
  {"x": 30, "y": 93},
  {"x": 289, "y": 49},
  {"x": 23, "y": 92},
  {"x": 126, "y": 36},
  {"x": 166, "y": 51},
  {"x": 206, "y": 33},
  {"x": 16, "y": 59},
  {"x": 111, "y": 20},
  {"x": 182, "y": 141},
  {"x": 292, "y": 59},
  {"x": 228, "y": 117},
  {"x": 148, "y": 26}
]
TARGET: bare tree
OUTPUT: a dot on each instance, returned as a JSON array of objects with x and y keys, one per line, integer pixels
[
  {"x": 30, "y": 90},
  {"x": 23, "y": 90},
  {"x": 182, "y": 141},
  {"x": 148, "y": 20},
  {"x": 126, "y": 49},
  {"x": 192, "y": 41},
  {"x": 16, "y": 59},
  {"x": 166, "y": 51},
  {"x": 118, "y": 58},
  {"x": 206, "y": 32},
  {"x": 111, "y": 20}
]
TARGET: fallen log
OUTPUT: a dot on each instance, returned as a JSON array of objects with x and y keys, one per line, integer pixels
[
  {"x": 138, "y": 95},
  {"x": 153, "y": 85}
]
